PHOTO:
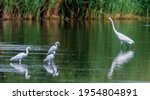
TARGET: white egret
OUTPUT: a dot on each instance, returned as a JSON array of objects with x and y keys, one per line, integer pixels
[
  {"x": 20, "y": 56},
  {"x": 123, "y": 39},
  {"x": 53, "y": 48},
  {"x": 50, "y": 58}
]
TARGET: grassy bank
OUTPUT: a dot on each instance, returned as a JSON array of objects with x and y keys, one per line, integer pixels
[
  {"x": 73, "y": 9},
  {"x": 27, "y": 9}
]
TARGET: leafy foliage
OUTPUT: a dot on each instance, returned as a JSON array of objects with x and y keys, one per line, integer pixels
[{"x": 78, "y": 8}]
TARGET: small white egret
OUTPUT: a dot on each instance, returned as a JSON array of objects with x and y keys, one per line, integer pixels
[
  {"x": 50, "y": 58},
  {"x": 20, "y": 56},
  {"x": 53, "y": 48},
  {"x": 123, "y": 39}
]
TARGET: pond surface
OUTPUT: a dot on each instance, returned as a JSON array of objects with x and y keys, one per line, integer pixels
[{"x": 89, "y": 51}]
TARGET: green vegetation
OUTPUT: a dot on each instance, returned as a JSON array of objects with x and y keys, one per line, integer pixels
[
  {"x": 74, "y": 9},
  {"x": 26, "y": 9}
]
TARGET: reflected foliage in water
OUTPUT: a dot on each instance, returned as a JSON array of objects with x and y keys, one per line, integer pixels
[{"x": 87, "y": 51}]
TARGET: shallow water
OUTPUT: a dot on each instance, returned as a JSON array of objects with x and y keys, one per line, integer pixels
[{"x": 89, "y": 51}]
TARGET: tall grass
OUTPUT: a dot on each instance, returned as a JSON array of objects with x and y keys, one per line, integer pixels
[
  {"x": 30, "y": 8},
  {"x": 78, "y": 9},
  {"x": 27, "y": 9},
  {"x": 7, "y": 10},
  {"x": 117, "y": 8},
  {"x": 122, "y": 8}
]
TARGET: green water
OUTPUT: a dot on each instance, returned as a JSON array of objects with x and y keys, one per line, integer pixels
[{"x": 89, "y": 51}]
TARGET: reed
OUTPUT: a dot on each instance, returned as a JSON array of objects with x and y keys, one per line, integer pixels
[
  {"x": 7, "y": 10},
  {"x": 30, "y": 9},
  {"x": 73, "y": 9}
]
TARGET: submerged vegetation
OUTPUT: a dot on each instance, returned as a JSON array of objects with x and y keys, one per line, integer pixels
[{"x": 73, "y": 9}]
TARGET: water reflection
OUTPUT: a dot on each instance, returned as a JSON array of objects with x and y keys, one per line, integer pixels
[
  {"x": 122, "y": 58},
  {"x": 21, "y": 69},
  {"x": 84, "y": 55},
  {"x": 51, "y": 68}
]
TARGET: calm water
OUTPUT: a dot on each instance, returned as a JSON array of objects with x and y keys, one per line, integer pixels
[{"x": 89, "y": 51}]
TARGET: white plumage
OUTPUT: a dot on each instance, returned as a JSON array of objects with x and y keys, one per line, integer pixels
[
  {"x": 20, "y": 56},
  {"x": 53, "y": 48},
  {"x": 123, "y": 39},
  {"x": 50, "y": 58}
]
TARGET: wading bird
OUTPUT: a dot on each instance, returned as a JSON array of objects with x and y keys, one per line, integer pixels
[
  {"x": 50, "y": 58},
  {"x": 123, "y": 39},
  {"x": 20, "y": 56},
  {"x": 53, "y": 48}
]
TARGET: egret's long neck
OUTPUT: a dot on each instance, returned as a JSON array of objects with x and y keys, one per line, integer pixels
[
  {"x": 27, "y": 51},
  {"x": 56, "y": 45},
  {"x": 113, "y": 26}
]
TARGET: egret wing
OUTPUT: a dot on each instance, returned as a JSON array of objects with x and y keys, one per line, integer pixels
[
  {"x": 18, "y": 57},
  {"x": 124, "y": 38},
  {"x": 51, "y": 49}
]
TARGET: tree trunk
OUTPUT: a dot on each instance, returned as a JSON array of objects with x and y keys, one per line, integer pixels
[{"x": 55, "y": 9}]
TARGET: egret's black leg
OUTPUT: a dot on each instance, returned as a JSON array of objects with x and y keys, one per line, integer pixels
[
  {"x": 51, "y": 63},
  {"x": 121, "y": 46},
  {"x": 127, "y": 46}
]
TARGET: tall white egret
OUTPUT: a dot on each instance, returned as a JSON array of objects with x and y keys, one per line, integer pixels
[
  {"x": 20, "y": 56},
  {"x": 50, "y": 58},
  {"x": 123, "y": 39},
  {"x": 53, "y": 48}
]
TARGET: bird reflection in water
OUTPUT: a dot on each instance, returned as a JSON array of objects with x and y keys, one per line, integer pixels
[
  {"x": 21, "y": 69},
  {"x": 122, "y": 58},
  {"x": 51, "y": 68}
]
